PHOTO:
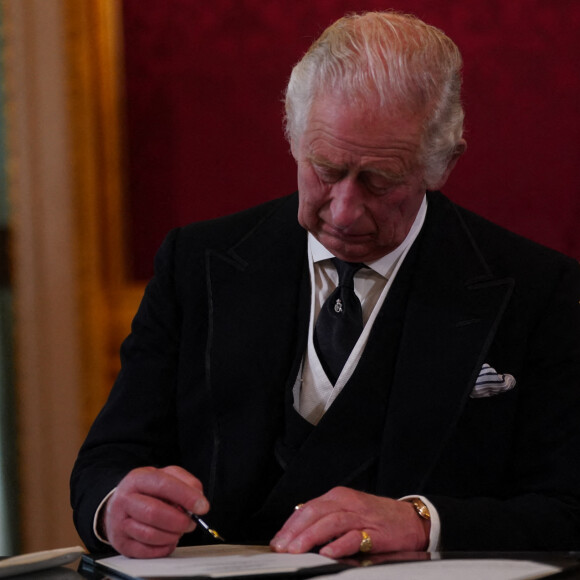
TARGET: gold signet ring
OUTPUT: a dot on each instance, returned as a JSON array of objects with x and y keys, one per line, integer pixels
[
  {"x": 299, "y": 506},
  {"x": 366, "y": 544}
]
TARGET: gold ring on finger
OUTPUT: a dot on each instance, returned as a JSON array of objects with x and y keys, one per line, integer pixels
[
  {"x": 366, "y": 544},
  {"x": 298, "y": 506}
]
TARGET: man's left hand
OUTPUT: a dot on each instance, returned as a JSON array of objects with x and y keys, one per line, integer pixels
[{"x": 337, "y": 519}]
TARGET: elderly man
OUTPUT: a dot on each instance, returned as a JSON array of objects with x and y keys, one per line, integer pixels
[{"x": 387, "y": 372}]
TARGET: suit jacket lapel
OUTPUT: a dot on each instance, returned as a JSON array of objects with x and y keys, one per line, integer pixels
[
  {"x": 453, "y": 311},
  {"x": 253, "y": 326}
]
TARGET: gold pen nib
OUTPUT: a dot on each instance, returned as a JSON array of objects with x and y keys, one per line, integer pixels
[
  {"x": 215, "y": 535},
  {"x": 204, "y": 525}
]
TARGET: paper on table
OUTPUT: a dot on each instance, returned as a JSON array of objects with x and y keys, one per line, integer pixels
[
  {"x": 215, "y": 561},
  {"x": 34, "y": 561},
  {"x": 478, "y": 569}
]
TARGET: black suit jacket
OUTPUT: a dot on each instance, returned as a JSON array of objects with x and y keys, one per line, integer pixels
[{"x": 217, "y": 342}]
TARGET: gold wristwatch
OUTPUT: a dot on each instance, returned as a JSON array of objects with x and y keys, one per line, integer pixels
[{"x": 420, "y": 507}]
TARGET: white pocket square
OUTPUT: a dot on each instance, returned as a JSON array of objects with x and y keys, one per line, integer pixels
[{"x": 490, "y": 383}]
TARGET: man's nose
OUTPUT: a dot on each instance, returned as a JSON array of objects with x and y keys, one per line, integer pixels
[{"x": 347, "y": 203}]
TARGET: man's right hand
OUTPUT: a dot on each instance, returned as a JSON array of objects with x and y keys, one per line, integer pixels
[{"x": 145, "y": 517}]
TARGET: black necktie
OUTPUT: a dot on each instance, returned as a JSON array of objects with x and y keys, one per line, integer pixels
[{"x": 340, "y": 321}]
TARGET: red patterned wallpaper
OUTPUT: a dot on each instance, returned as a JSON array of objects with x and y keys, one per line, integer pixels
[{"x": 204, "y": 83}]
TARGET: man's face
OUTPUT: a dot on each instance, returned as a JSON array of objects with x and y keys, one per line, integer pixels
[{"x": 359, "y": 181}]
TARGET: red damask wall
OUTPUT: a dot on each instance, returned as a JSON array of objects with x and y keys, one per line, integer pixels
[{"x": 204, "y": 83}]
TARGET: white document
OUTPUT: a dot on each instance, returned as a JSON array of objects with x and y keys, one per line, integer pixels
[
  {"x": 35, "y": 561},
  {"x": 450, "y": 570},
  {"x": 216, "y": 561}
]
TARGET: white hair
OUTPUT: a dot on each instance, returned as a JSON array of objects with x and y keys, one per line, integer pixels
[{"x": 390, "y": 60}]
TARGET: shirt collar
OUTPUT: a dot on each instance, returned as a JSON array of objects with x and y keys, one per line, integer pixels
[{"x": 384, "y": 265}]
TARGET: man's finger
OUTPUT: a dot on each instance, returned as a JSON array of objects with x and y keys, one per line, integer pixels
[
  {"x": 183, "y": 475},
  {"x": 150, "y": 535},
  {"x": 157, "y": 513},
  {"x": 322, "y": 531},
  {"x": 346, "y": 545},
  {"x": 304, "y": 521},
  {"x": 173, "y": 489}
]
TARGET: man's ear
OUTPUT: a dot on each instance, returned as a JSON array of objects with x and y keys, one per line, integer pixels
[{"x": 459, "y": 151}]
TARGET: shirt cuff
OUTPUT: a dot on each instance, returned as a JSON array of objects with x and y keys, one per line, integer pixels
[
  {"x": 435, "y": 532},
  {"x": 97, "y": 517}
]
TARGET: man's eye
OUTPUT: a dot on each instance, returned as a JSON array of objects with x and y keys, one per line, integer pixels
[
  {"x": 328, "y": 175},
  {"x": 379, "y": 184}
]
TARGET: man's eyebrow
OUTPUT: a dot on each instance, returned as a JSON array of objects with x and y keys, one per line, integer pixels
[
  {"x": 393, "y": 176},
  {"x": 323, "y": 162}
]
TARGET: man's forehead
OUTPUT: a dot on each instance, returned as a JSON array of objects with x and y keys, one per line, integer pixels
[
  {"x": 336, "y": 113},
  {"x": 370, "y": 102},
  {"x": 334, "y": 135}
]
